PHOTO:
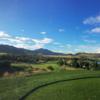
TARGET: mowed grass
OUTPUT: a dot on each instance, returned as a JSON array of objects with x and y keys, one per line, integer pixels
[
  {"x": 30, "y": 66},
  {"x": 14, "y": 88},
  {"x": 88, "y": 89},
  {"x": 45, "y": 65},
  {"x": 83, "y": 89}
]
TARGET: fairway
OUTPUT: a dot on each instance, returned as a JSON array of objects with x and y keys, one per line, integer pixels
[
  {"x": 82, "y": 89},
  {"x": 65, "y": 85}
]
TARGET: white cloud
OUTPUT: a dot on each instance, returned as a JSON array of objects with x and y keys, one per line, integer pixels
[
  {"x": 61, "y": 45},
  {"x": 40, "y": 43},
  {"x": 61, "y": 30},
  {"x": 95, "y": 30},
  {"x": 22, "y": 38},
  {"x": 38, "y": 46},
  {"x": 88, "y": 48},
  {"x": 97, "y": 50},
  {"x": 57, "y": 43},
  {"x": 89, "y": 41},
  {"x": 46, "y": 40},
  {"x": 43, "y": 33},
  {"x": 95, "y": 22},
  {"x": 31, "y": 47},
  {"x": 69, "y": 46},
  {"x": 23, "y": 42},
  {"x": 4, "y": 35},
  {"x": 43, "y": 41},
  {"x": 92, "y": 20},
  {"x": 35, "y": 43}
]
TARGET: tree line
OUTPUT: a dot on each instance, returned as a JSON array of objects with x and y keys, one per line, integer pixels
[{"x": 81, "y": 62}]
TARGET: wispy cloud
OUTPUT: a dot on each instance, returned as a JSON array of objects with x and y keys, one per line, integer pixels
[
  {"x": 95, "y": 30},
  {"x": 69, "y": 46},
  {"x": 24, "y": 42},
  {"x": 57, "y": 43},
  {"x": 40, "y": 43},
  {"x": 43, "y": 33},
  {"x": 61, "y": 30},
  {"x": 22, "y": 30},
  {"x": 89, "y": 48},
  {"x": 98, "y": 50},
  {"x": 61, "y": 45},
  {"x": 89, "y": 41},
  {"x": 92, "y": 20}
]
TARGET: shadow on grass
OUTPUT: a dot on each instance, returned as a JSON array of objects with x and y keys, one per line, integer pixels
[{"x": 9, "y": 69}]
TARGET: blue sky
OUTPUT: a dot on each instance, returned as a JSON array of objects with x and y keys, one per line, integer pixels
[{"x": 67, "y": 26}]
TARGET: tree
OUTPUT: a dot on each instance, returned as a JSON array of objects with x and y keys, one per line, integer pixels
[{"x": 61, "y": 62}]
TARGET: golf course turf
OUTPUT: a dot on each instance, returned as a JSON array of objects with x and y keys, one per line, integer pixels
[
  {"x": 62, "y": 85},
  {"x": 88, "y": 89}
]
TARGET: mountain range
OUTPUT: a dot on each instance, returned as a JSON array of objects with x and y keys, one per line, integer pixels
[{"x": 20, "y": 51}]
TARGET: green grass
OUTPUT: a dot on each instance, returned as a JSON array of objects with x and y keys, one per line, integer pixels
[
  {"x": 88, "y": 89},
  {"x": 53, "y": 64},
  {"x": 45, "y": 65},
  {"x": 29, "y": 67},
  {"x": 15, "y": 87}
]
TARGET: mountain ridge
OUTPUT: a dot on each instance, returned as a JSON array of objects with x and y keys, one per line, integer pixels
[{"x": 21, "y": 51}]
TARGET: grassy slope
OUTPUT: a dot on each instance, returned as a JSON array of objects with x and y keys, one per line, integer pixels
[
  {"x": 41, "y": 65},
  {"x": 88, "y": 89},
  {"x": 14, "y": 88}
]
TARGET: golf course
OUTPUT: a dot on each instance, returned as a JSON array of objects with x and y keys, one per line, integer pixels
[
  {"x": 57, "y": 85},
  {"x": 49, "y": 49}
]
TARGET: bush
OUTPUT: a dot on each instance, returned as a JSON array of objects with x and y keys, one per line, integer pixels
[
  {"x": 50, "y": 68},
  {"x": 5, "y": 67},
  {"x": 5, "y": 63}
]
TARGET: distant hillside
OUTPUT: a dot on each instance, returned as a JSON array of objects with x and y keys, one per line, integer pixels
[
  {"x": 13, "y": 50},
  {"x": 46, "y": 52},
  {"x": 20, "y": 51},
  {"x": 92, "y": 55}
]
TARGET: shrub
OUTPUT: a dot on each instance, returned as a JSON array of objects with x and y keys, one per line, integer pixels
[
  {"x": 50, "y": 68},
  {"x": 5, "y": 63}
]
